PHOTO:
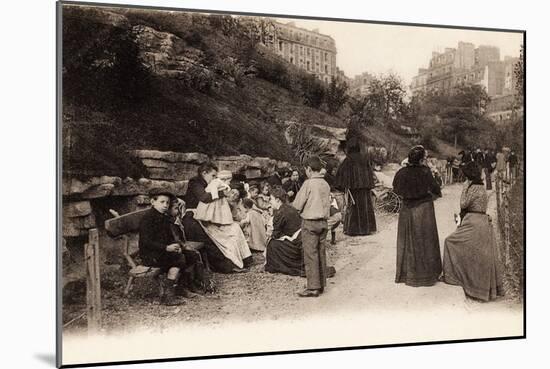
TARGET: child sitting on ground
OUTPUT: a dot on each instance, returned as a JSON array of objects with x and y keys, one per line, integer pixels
[
  {"x": 254, "y": 226},
  {"x": 263, "y": 198},
  {"x": 217, "y": 211}
]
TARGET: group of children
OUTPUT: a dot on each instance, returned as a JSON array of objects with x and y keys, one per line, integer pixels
[{"x": 162, "y": 242}]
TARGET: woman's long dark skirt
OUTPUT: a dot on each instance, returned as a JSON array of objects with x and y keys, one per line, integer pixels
[
  {"x": 418, "y": 253},
  {"x": 284, "y": 257},
  {"x": 359, "y": 219},
  {"x": 471, "y": 258}
]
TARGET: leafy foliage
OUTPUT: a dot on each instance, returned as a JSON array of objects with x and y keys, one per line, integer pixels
[
  {"x": 337, "y": 95},
  {"x": 457, "y": 114},
  {"x": 304, "y": 144},
  {"x": 103, "y": 70},
  {"x": 383, "y": 104},
  {"x": 312, "y": 90}
]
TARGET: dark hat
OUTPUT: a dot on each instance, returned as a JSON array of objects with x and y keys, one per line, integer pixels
[
  {"x": 471, "y": 171},
  {"x": 161, "y": 191},
  {"x": 416, "y": 154}
]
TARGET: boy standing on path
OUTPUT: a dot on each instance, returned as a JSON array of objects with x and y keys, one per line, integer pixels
[{"x": 313, "y": 204}]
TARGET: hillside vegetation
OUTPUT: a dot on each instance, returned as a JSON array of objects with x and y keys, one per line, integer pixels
[{"x": 211, "y": 89}]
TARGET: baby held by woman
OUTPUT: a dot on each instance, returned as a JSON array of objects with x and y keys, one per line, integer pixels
[{"x": 217, "y": 211}]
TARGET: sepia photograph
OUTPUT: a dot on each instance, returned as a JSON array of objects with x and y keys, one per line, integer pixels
[{"x": 238, "y": 184}]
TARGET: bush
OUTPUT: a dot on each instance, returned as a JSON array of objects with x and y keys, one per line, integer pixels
[
  {"x": 193, "y": 39},
  {"x": 103, "y": 70},
  {"x": 336, "y": 95},
  {"x": 233, "y": 70},
  {"x": 304, "y": 145},
  {"x": 312, "y": 90},
  {"x": 274, "y": 71}
]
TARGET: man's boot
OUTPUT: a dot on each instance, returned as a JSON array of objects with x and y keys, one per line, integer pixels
[
  {"x": 185, "y": 281},
  {"x": 170, "y": 298}
]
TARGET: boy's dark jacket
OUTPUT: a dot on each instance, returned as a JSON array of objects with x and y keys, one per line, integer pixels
[{"x": 155, "y": 233}]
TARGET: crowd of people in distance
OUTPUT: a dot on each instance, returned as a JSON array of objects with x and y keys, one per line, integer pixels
[{"x": 502, "y": 165}]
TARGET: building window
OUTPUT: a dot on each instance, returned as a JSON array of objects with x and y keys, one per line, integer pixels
[
  {"x": 326, "y": 56},
  {"x": 308, "y": 51},
  {"x": 291, "y": 48},
  {"x": 301, "y": 50},
  {"x": 326, "y": 69},
  {"x": 308, "y": 65},
  {"x": 291, "y": 60},
  {"x": 281, "y": 46}
]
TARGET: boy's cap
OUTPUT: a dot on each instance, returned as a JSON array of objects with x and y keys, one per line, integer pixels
[{"x": 161, "y": 191}]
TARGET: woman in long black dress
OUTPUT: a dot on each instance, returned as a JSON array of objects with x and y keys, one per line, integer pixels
[
  {"x": 356, "y": 178},
  {"x": 284, "y": 255},
  {"x": 418, "y": 254}
]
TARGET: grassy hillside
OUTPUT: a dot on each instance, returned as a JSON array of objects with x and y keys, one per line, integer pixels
[{"x": 125, "y": 106}]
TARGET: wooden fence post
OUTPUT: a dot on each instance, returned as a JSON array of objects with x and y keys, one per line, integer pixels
[{"x": 93, "y": 285}]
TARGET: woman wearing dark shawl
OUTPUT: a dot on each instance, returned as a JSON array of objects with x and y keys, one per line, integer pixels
[
  {"x": 284, "y": 250},
  {"x": 356, "y": 179},
  {"x": 470, "y": 258},
  {"x": 418, "y": 254}
]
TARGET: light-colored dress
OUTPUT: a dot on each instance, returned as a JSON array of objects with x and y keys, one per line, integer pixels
[{"x": 217, "y": 211}]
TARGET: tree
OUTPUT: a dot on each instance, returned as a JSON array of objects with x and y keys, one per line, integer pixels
[
  {"x": 519, "y": 73},
  {"x": 337, "y": 95},
  {"x": 313, "y": 91},
  {"x": 460, "y": 113},
  {"x": 384, "y": 103}
]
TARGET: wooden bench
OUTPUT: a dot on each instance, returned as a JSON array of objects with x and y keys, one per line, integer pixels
[{"x": 122, "y": 226}]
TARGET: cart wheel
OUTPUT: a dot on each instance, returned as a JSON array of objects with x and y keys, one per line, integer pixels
[{"x": 389, "y": 203}]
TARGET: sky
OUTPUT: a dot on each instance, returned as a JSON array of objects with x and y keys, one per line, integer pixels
[{"x": 377, "y": 49}]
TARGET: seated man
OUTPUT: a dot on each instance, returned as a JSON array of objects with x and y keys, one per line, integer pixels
[{"x": 158, "y": 246}]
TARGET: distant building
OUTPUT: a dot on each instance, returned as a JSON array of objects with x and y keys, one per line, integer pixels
[
  {"x": 467, "y": 65},
  {"x": 342, "y": 77},
  {"x": 309, "y": 50},
  {"x": 500, "y": 109},
  {"x": 359, "y": 85}
]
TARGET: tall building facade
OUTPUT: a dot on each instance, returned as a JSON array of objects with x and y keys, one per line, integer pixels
[
  {"x": 464, "y": 64},
  {"x": 468, "y": 65},
  {"x": 309, "y": 50}
]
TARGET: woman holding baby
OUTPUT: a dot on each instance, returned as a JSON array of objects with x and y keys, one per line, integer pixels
[{"x": 208, "y": 219}]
